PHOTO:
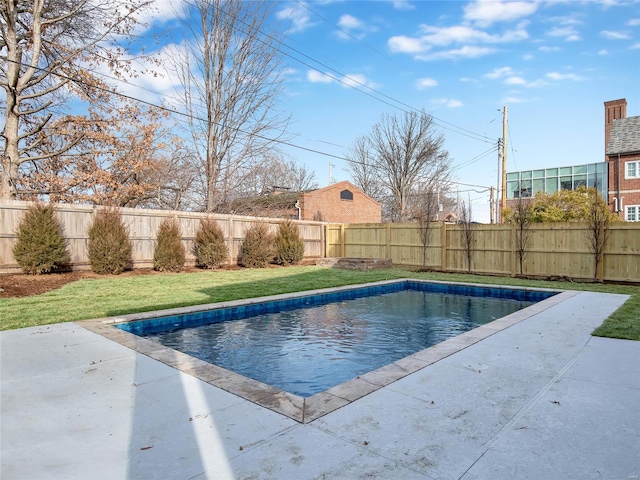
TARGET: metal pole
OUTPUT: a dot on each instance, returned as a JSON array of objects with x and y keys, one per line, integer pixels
[{"x": 504, "y": 165}]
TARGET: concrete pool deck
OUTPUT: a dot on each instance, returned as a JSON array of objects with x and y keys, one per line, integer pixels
[{"x": 539, "y": 399}]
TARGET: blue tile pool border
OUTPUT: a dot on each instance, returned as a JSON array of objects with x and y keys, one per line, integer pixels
[
  {"x": 154, "y": 325},
  {"x": 305, "y": 410}
]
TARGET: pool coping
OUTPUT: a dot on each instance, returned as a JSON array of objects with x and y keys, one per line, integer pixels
[{"x": 301, "y": 409}]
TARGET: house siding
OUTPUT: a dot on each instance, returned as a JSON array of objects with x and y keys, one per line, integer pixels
[{"x": 327, "y": 205}]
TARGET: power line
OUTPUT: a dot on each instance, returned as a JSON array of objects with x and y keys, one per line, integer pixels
[
  {"x": 441, "y": 123},
  {"x": 346, "y": 32},
  {"x": 183, "y": 114},
  {"x": 177, "y": 112}
]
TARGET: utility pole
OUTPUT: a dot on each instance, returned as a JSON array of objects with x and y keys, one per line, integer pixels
[
  {"x": 330, "y": 175},
  {"x": 503, "y": 204},
  {"x": 497, "y": 208}
]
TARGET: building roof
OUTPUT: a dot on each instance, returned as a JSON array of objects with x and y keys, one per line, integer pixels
[
  {"x": 341, "y": 185},
  {"x": 625, "y": 136}
]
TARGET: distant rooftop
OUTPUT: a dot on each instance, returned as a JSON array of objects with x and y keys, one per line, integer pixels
[{"x": 625, "y": 136}]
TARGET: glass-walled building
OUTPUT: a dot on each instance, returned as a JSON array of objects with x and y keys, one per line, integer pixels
[{"x": 527, "y": 183}]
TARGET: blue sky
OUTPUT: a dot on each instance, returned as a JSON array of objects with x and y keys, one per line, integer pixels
[{"x": 552, "y": 63}]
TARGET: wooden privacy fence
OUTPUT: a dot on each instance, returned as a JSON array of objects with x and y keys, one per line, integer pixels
[
  {"x": 143, "y": 224},
  {"x": 559, "y": 249}
]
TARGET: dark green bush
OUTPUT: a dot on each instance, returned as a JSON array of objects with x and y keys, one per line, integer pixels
[
  {"x": 257, "y": 249},
  {"x": 41, "y": 247},
  {"x": 169, "y": 254},
  {"x": 109, "y": 244},
  {"x": 209, "y": 247},
  {"x": 289, "y": 245}
]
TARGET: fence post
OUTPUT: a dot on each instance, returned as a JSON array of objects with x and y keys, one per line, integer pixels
[
  {"x": 342, "y": 247},
  {"x": 325, "y": 241},
  {"x": 443, "y": 247},
  {"x": 388, "y": 241},
  {"x": 514, "y": 260},
  {"x": 600, "y": 271},
  {"x": 232, "y": 243}
]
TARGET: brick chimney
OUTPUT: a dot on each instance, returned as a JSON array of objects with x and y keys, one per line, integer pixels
[{"x": 613, "y": 110}]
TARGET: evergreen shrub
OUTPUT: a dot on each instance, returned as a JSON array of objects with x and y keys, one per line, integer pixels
[
  {"x": 41, "y": 247},
  {"x": 209, "y": 247},
  {"x": 169, "y": 254},
  {"x": 257, "y": 249},
  {"x": 289, "y": 245},
  {"x": 109, "y": 244}
]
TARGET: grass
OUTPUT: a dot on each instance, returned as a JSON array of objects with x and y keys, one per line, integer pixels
[{"x": 97, "y": 298}]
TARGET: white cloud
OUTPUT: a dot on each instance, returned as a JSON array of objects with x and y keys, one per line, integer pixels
[
  {"x": 349, "y": 80},
  {"x": 446, "y": 36},
  {"x": 635, "y": 46},
  {"x": 403, "y": 5},
  {"x": 443, "y": 36},
  {"x": 570, "y": 34},
  {"x": 357, "y": 80},
  {"x": 499, "y": 73},
  {"x": 353, "y": 27},
  {"x": 634, "y": 22},
  {"x": 603, "y": 52},
  {"x": 464, "y": 52},
  {"x": 545, "y": 48},
  {"x": 298, "y": 15},
  {"x": 563, "y": 76},
  {"x": 515, "y": 81},
  {"x": 423, "y": 83},
  {"x": 486, "y": 12},
  {"x": 404, "y": 44},
  {"x": 609, "y": 35},
  {"x": 447, "y": 102},
  {"x": 349, "y": 21},
  {"x": 314, "y": 76},
  {"x": 537, "y": 84},
  {"x": 527, "y": 57}
]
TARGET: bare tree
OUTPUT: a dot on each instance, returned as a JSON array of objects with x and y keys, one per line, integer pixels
[
  {"x": 521, "y": 217},
  {"x": 405, "y": 151},
  {"x": 468, "y": 232},
  {"x": 425, "y": 211},
  {"x": 231, "y": 76},
  {"x": 598, "y": 218},
  {"x": 363, "y": 172},
  {"x": 274, "y": 171},
  {"x": 49, "y": 48}
]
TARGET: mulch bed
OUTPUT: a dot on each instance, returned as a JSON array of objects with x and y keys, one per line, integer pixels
[{"x": 21, "y": 285}]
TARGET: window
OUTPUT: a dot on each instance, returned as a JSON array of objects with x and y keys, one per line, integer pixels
[
  {"x": 566, "y": 183},
  {"x": 633, "y": 170},
  {"x": 632, "y": 213},
  {"x": 346, "y": 195}
]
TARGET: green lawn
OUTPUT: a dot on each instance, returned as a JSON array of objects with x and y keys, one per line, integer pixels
[{"x": 98, "y": 298}]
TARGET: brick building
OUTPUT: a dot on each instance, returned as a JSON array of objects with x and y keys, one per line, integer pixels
[
  {"x": 341, "y": 202},
  {"x": 622, "y": 154}
]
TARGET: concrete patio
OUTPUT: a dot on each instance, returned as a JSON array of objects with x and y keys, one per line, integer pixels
[{"x": 541, "y": 399}]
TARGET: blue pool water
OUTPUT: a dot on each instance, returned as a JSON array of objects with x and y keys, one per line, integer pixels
[{"x": 305, "y": 345}]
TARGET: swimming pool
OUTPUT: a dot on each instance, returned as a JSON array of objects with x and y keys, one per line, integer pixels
[{"x": 307, "y": 344}]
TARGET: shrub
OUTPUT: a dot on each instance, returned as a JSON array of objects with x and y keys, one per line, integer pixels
[
  {"x": 109, "y": 243},
  {"x": 257, "y": 249},
  {"x": 209, "y": 247},
  {"x": 289, "y": 245},
  {"x": 40, "y": 248},
  {"x": 169, "y": 254}
]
